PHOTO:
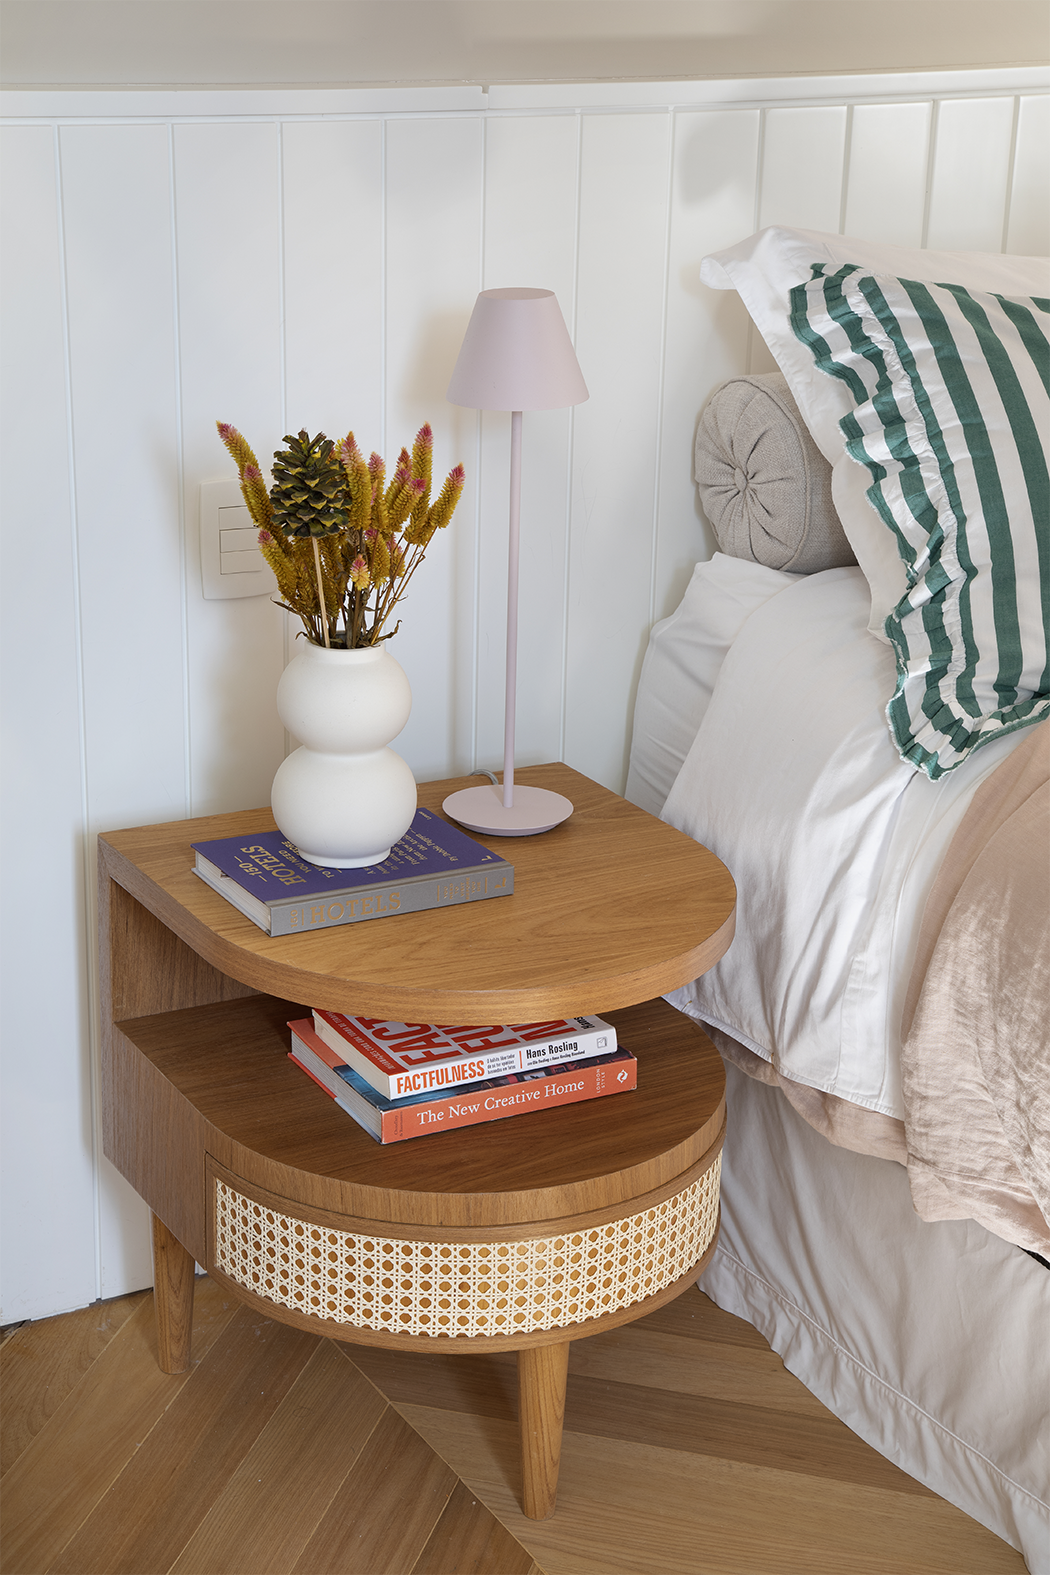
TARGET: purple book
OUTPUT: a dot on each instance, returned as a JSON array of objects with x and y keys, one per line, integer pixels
[{"x": 432, "y": 866}]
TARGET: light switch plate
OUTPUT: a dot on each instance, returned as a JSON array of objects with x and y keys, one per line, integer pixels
[{"x": 231, "y": 563}]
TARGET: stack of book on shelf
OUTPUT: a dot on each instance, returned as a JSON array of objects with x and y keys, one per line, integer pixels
[
  {"x": 405, "y": 1080},
  {"x": 434, "y": 865}
]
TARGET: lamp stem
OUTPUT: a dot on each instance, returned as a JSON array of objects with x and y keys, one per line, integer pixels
[{"x": 512, "y": 610}]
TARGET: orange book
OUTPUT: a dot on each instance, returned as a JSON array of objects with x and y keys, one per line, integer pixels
[{"x": 492, "y": 1099}]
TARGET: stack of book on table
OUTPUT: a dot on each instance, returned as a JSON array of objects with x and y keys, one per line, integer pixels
[{"x": 405, "y": 1080}]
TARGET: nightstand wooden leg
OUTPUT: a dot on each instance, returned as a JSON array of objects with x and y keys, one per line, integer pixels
[
  {"x": 173, "y": 1271},
  {"x": 542, "y": 1372}
]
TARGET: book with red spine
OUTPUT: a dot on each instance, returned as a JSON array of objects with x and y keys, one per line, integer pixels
[
  {"x": 400, "y": 1060},
  {"x": 493, "y": 1099}
]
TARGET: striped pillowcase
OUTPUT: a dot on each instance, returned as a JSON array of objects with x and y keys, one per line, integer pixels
[{"x": 951, "y": 392}]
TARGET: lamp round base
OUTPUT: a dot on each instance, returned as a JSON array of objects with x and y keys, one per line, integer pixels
[{"x": 481, "y": 809}]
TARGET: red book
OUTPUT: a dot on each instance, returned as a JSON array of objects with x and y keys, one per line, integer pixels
[
  {"x": 401, "y": 1060},
  {"x": 490, "y": 1100}
]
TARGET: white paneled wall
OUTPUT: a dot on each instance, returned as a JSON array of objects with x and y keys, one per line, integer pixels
[
  {"x": 1028, "y": 212},
  {"x": 289, "y": 260},
  {"x": 803, "y": 152},
  {"x": 972, "y": 142},
  {"x": 622, "y": 248},
  {"x": 889, "y": 155}
]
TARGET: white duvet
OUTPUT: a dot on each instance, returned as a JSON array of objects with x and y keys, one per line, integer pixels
[{"x": 792, "y": 779}]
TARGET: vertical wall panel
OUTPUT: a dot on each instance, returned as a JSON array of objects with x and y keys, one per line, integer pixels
[
  {"x": 623, "y": 232},
  {"x": 49, "y": 1247},
  {"x": 712, "y": 206},
  {"x": 530, "y": 233},
  {"x": 121, "y": 314},
  {"x": 888, "y": 158},
  {"x": 1028, "y": 232},
  {"x": 970, "y": 171},
  {"x": 433, "y": 198},
  {"x": 228, "y": 236},
  {"x": 802, "y": 167},
  {"x": 117, "y": 208},
  {"x": 324, "y": 270},
  {"x": 333, "y": 277}
]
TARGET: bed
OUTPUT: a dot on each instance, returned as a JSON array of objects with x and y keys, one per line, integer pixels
[{"x": 850, "y": 706}]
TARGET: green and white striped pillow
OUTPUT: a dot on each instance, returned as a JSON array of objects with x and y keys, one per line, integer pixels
[{"x": 951, "y": 394}]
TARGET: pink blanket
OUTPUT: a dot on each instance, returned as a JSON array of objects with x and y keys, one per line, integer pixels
[{"x": 976, "y": 1028}]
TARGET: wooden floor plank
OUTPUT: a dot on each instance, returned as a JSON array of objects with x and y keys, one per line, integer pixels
[
  {"x": 629, "y": 1509},
  {"x": 702, "y": 1368},
  {"x": 469, "y": 1540},
  {"x": 44, "y": 1360},
  {"x": 76, "y": 1456},
  {"x": 276, "y": 1499},
  {"x": 695, "y": 1316},
  {"x": 187, "y": 1461},
  {"x": 808, "y": 1439},
  {"x": 689, "y": 1450},
  {"x": 486, "y": 1383},
  {"x": 729, "y": 1430},
  {"x": 381, "y": 1520}
]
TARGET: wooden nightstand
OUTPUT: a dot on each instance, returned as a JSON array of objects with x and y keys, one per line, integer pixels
[{"x": 521, "y": 1234}]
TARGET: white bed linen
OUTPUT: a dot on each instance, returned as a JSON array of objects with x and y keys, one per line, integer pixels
[
  {"x": 929, "y": 1341},
  {"x": 681, "y": 666},
  {"x": 832, "y": 839}
]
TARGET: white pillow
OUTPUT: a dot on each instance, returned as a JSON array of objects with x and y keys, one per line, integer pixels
[
  {"x": 682, "y": 662},
  {"x": 764, "y": 269},
  {"x": 949, "y": 422}
]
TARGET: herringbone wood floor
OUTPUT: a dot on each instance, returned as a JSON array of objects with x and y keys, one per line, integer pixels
[{"x": 689, "y": 1450}]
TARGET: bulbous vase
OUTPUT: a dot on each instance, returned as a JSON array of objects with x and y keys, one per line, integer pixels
[{"x": 343, "y": 798}]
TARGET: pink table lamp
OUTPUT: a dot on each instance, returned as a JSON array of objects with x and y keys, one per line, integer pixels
[{"x": 516, "y": 355}]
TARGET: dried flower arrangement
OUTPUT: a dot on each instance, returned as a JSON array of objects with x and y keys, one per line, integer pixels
[{"x": 342, "y": 541}]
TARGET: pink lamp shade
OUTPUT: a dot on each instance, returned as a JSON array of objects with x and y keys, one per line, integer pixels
[{"x": 517, "y": 355}]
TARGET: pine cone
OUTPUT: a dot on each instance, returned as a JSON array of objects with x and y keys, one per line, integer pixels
[{"x": 310, "y": 495}]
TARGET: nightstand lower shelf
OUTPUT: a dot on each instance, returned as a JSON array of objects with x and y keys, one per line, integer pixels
[{"x": 522, "y": 1234}]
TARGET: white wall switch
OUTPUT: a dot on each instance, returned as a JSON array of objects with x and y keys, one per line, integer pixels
[{"x": 231, "y": 563}]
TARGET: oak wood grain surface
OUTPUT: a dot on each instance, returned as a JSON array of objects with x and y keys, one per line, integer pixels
[
  {"x": 306, "y": 1466},
  {"x": 226, "y": 1067},
  {"x": 610, "y": 908},
  {"x": 542, "y": 1376},
  {"x": 63, "y": 1349},
  {"x": 689, "y": 1449},
  {"x": 53, "y": 1485}
]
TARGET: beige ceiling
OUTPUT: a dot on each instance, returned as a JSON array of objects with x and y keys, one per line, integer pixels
[{"x": 297, "y": 43}]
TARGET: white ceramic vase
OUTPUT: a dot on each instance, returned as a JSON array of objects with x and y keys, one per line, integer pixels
[{"x": 344, "y": 798}]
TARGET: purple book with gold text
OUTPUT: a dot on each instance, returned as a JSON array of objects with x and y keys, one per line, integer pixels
[{"x": 434, "y": 865}]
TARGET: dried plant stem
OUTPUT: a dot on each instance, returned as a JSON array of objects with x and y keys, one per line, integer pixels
[
  {"x": 362, "y": 568},
  {"x": 395, "y": 590},
  {"x": 320, "y": 593}
]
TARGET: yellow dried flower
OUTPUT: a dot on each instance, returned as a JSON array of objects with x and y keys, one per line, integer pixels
[
  {"x": 353, "y": 462},
  {"x": 283, "y": 568},
  {"x": 441, "y": 512},
  {"x": 346, "y": 582},
  {"x": 253, "y": 488}
]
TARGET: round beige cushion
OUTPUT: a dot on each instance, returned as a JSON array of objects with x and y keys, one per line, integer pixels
[{"x": 764, "y": 484}]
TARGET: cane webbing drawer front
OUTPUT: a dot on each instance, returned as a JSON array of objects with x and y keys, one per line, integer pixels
[{"x": 460, "y": 1288}]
